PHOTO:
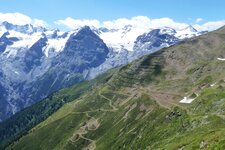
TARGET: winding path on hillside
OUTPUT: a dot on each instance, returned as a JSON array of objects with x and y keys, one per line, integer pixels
[
  {"x": 110, "y": 101},
  {"x": 84, "y": 129}
]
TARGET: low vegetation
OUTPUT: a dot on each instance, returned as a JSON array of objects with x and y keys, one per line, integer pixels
[{"x": 137, "y": 106}]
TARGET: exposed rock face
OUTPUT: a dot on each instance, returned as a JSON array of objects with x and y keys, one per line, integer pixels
[
  {"x": 27, "y": 75},
  {"x": 82, "y": 51},
  {"x": 34, "y": 54},
  {"x": 154, "y": 39}
]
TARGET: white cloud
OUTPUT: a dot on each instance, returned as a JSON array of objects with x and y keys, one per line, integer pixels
[
  {"x": 38, "y": 22},
  {"x": 141, "y": 22},
  {"x": 198, "y": 20},
  {"x": 167, "y": 22},
  {"x": 16, "y": 18},
  {"x": 21, "y": 19},
  {"x": 138, "y": 21},
  {"x": 73, "y": 23},
  {"x": 210, "y": 26}
]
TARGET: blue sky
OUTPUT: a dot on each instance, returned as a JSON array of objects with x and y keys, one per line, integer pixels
[
  {"x": 203, "y": 14},
  {"x": 179, "y": 10}
]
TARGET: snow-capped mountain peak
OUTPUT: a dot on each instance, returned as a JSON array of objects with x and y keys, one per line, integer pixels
[
  {"x": 120, "y": 39},
  {"x": 117, "y": 39},
  {"x": 57, "y": 44},
  {"x": 187, "y": 32},
  {"x": 26, "y": 29},
  {"x": 30, "y": 55},
  {"x": 167, "y": 30},
  {"x": 190, "y": 28}
]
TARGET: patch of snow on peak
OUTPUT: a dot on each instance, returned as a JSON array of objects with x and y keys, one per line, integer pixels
[
  {"x": 56, "y": 45},
  {"x": 124, "y": 38},
  {"x": 187, "y": 32},
  {"x": 190, "y": 28},
  {"x": 25, "y": 41},
  {"x": 2, "y": 30},
  {"x": 167, "y": 30}
]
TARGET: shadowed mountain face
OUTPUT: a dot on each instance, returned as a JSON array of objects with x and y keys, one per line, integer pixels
[
  {"x": 173, "y": 97},
  {"x": 156, "y": 39},
  {"x": 82, "y": 51},
  {"x": 4, "y": 41},
  {"x": 34, "y": 54},
  {"x": 3, "y": 100},
  {"x": 31, "y": 76}
]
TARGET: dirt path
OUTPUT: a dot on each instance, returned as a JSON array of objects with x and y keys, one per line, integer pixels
[
  {"x": 164, "y": 99},
  {"x": 89, "y": 125},
  {"x": 110, "y": 101}
]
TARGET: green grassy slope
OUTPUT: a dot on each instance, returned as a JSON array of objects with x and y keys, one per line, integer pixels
[
  {"x": 138, "y": 106},
  {"x": 26, "y": 119}
]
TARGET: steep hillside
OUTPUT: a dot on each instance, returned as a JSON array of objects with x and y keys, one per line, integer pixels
[
  {"x": 35, "y": 61},
  {"x": 172, "y": 99},
  {"x": 26, "y": 119}
]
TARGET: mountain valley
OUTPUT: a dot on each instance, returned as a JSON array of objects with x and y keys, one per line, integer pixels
[{"x": 172, "y": 99}]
